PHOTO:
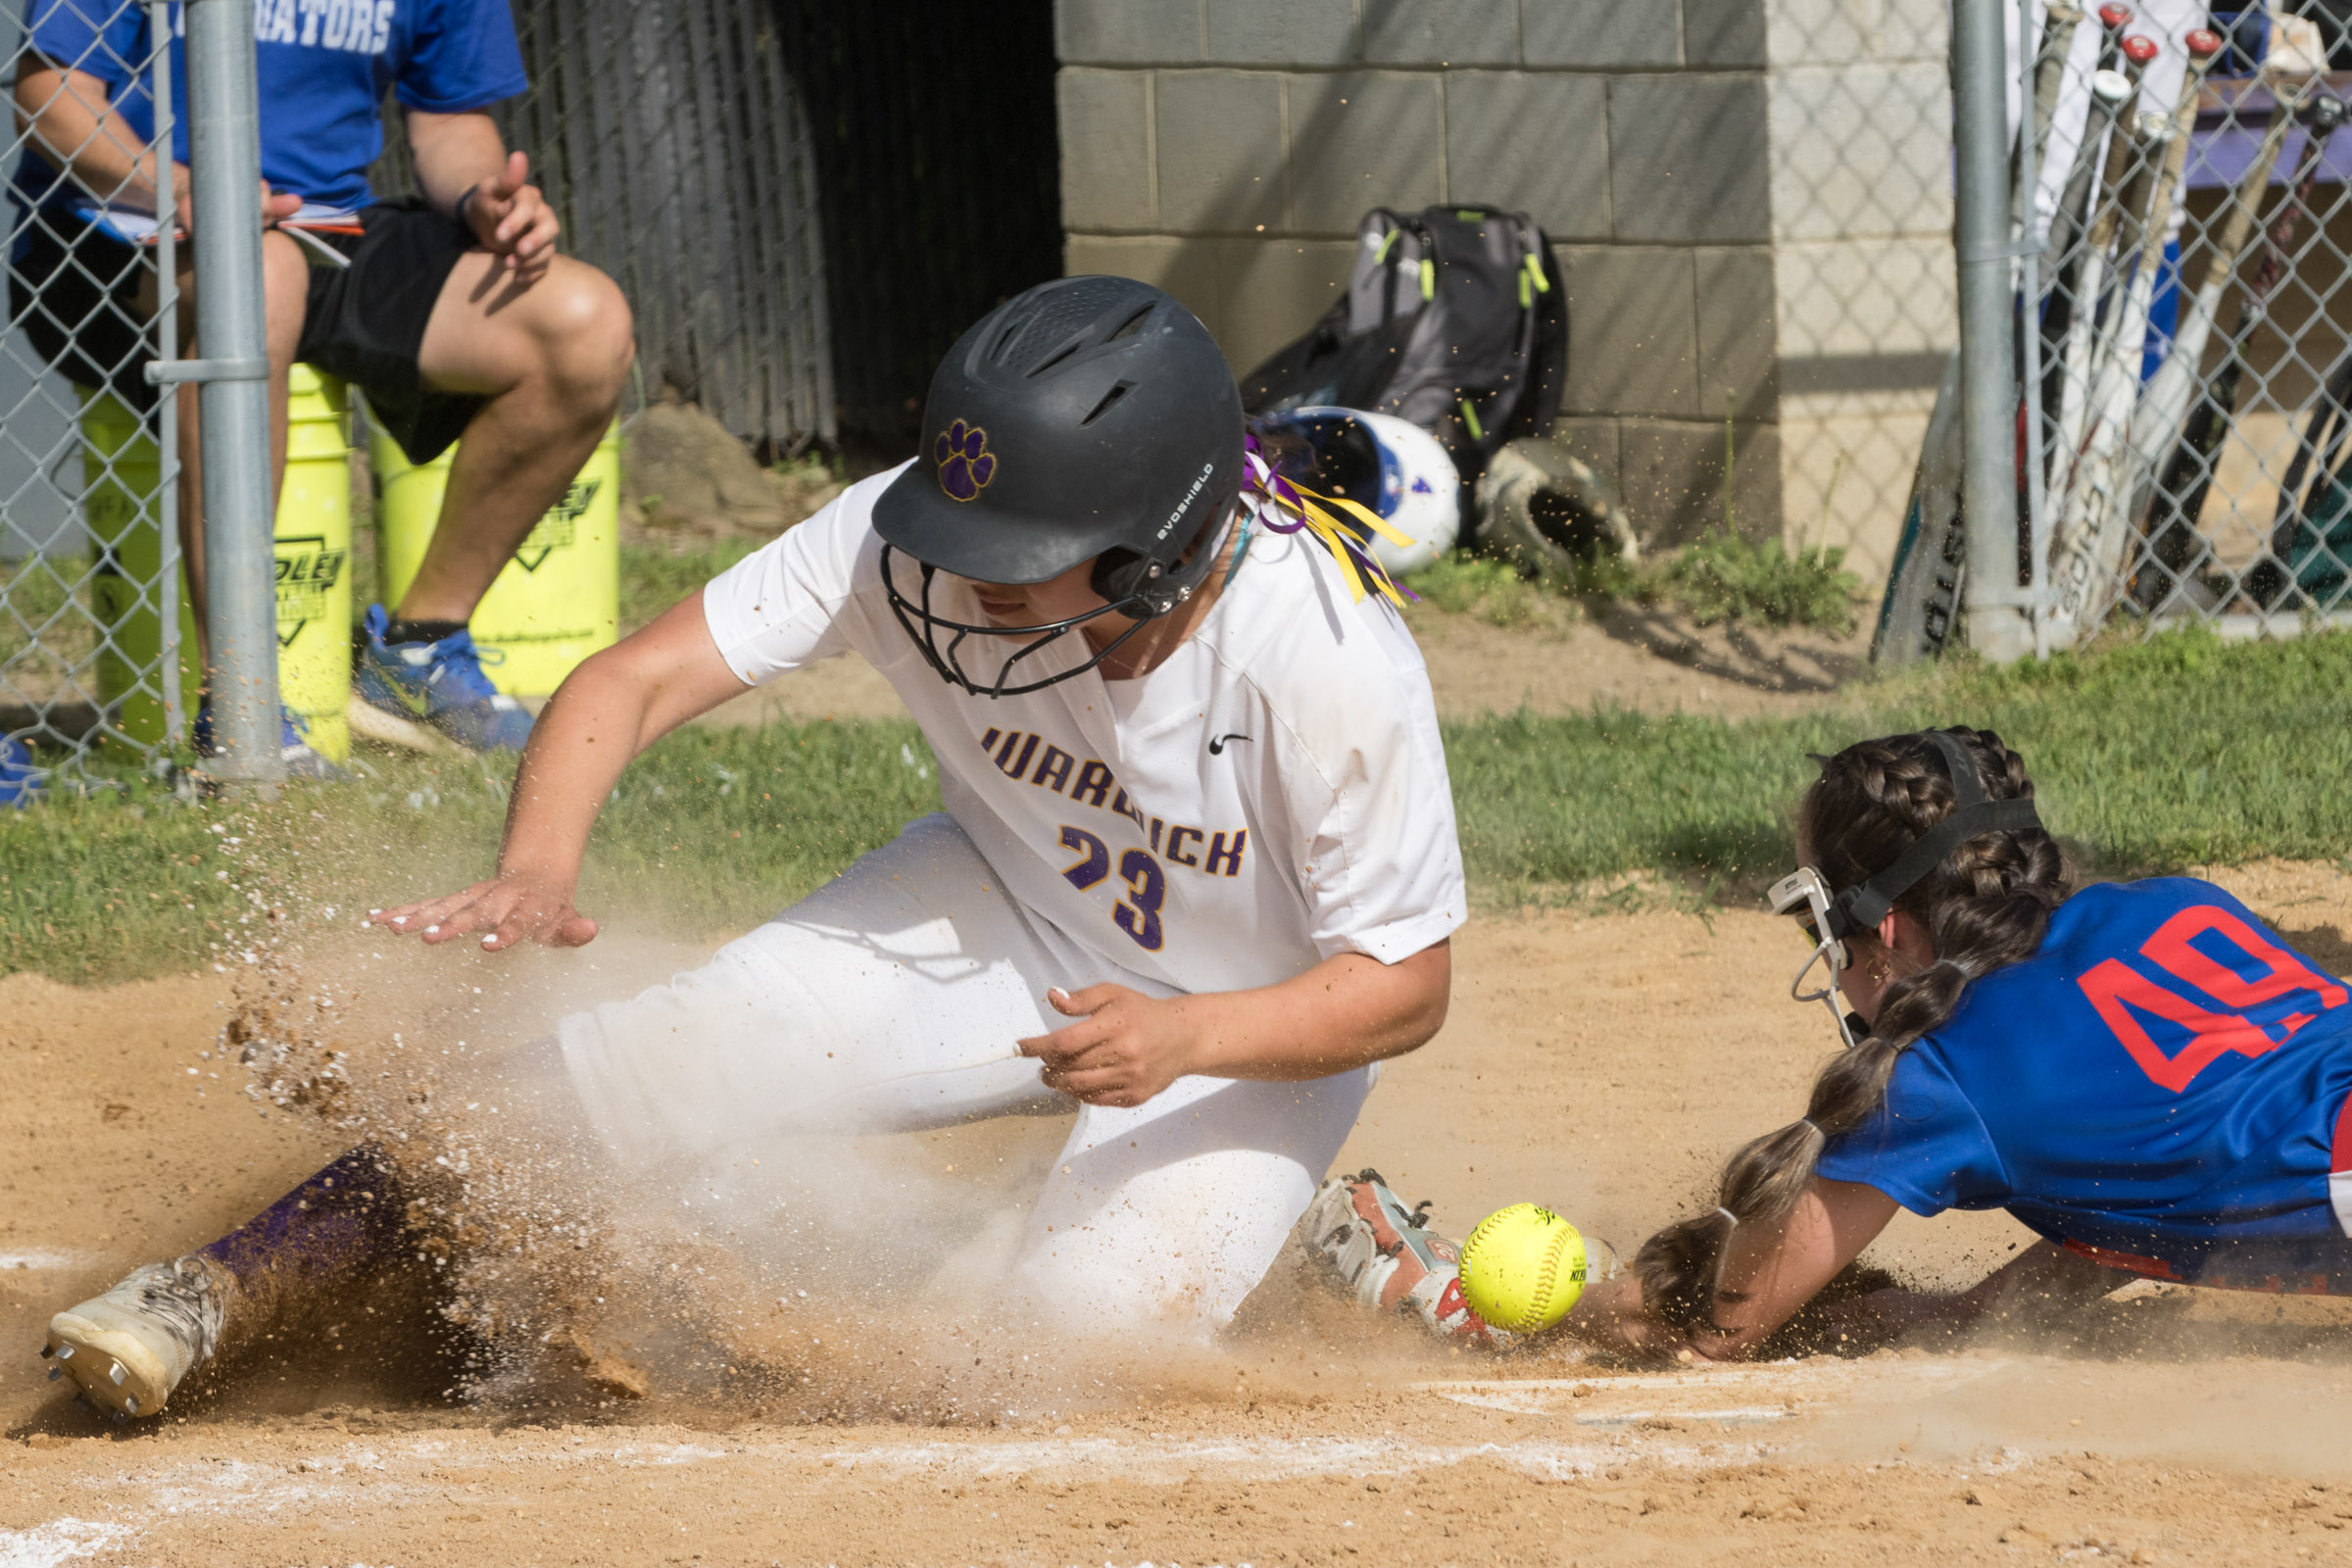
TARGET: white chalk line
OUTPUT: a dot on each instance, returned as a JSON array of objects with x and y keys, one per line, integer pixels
[
  {"x": 1816, "y": 1374},
  {"x": 402, "y": 1469},
  {"x": 59, "y": 1541},
  {"x": 401, "y": 1472},
  {"x": 47, "y": 1259}
]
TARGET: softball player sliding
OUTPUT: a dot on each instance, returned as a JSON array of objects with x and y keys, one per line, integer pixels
[
  {"x": 2141, "y": 1072},
  {"x": 1197, "y": 861}
]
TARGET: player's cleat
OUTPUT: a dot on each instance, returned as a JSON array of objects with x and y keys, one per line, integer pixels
[
  {"x": 1388, "y": 1259},
  {"x": 131, "y": 1346},
  {"x": 440, "y": 684},
  {"x": 293, "y": 743}
]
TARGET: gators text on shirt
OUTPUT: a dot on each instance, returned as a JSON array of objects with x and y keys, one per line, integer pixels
[{"x": 323, "y": 64}]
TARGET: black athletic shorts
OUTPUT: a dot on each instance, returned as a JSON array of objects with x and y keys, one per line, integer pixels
[{"x": 75, "y": 288}]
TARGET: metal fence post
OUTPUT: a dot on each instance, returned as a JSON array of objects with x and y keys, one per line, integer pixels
[
  {"x": 167, "y": 346},
  {"x": 225, "y": 176},
  {"x": 2031, "y": 135},
  {"x": 1998, "y": 624}
]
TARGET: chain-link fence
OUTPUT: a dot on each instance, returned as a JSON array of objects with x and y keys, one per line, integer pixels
[
  {"x": 806, "y": 204},
  {"x": 1860, "y": 118},
  {"x": 2188, "y": 362},
  {"x": 2180, "y": 247},
  {"x": 91, "y": 605},
  {"x": 672, "y": 141}
]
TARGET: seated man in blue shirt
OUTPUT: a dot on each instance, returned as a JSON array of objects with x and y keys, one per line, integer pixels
[{"x": 454, "y": 314}]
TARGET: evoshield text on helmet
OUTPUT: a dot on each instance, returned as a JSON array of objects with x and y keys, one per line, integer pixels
[{"x": 1089, "y": 418}]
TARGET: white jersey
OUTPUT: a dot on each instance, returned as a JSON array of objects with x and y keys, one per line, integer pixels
[{"x": 1272, "y": 795}]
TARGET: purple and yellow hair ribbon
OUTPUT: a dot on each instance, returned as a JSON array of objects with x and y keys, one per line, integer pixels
[{"x": 1288, "y": 507}]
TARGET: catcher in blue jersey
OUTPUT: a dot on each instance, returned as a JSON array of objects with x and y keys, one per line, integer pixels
[{"x": 2141, "y": 1072}]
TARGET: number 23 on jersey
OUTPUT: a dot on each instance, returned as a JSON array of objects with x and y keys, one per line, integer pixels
[{"x": 1137, "y": 914}]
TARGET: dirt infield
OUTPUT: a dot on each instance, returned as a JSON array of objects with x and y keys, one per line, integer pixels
[{"x": 1598, "y": 1062}]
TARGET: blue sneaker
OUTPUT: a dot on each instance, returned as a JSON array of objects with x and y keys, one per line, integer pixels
[
  {"x": 20, "y": 779},
  {"x": 293, "y": 743},
  {"x": 440, "y": 684}
]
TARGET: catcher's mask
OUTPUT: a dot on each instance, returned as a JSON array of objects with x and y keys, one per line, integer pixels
[
  {"x": 1089, "y": 418},
  {"x": 1828, "y": 918}
]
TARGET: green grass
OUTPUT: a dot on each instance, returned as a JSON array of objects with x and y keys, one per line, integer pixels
[
  {"x": 2152, "y": 755},
  {"x": 114, "y": 886},
  {"x": 2148, "y": 756},
  {"x": 1725, "y": 578},
  {"x": 653, "y": 578},
  {"x": 38, "y": 605},
  {"x": 711, "y": 831},
  {"x": 1721, "y": 578},
  {"x": 725, "y": 826},
  {"x": 1492, "y": 591}
]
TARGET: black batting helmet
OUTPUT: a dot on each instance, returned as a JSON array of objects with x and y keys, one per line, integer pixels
[{"x": 1089, "y": 418}]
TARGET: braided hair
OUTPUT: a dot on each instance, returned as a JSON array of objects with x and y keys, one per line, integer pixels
[{"x": 1986, "y": 905}]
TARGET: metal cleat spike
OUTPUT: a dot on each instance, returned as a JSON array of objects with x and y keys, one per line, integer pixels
[
  {"x": 120, "y": 1418},
  {"x": 55, "y": 1372},
  {"x": 130, "y": 1403},
  {"x": 48, "y": 1350},
  {"x": 65, "y": 1353},
  {"x": 115, "y": 1371}
]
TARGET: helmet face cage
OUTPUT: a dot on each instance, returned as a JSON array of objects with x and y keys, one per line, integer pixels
[
  {"x": 1803, "y": 894},
  {"x": 1157, "y": 590},
  {"x": 1860, "y": 907},
  {"x": 1087, "y": 419}
]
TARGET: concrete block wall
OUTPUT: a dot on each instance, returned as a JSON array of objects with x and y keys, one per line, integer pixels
[
  {"x": 1224, "y": 150},
  {"x": 1860, "y": 149}
]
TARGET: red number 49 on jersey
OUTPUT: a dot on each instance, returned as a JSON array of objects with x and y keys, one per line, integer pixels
[{"x": 2121, "y": 992}]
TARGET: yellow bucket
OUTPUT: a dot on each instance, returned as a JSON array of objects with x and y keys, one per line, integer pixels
[
  {"x": 314, "y": 561},
  {"x": 555, "y": 602},
  {"x": 121, "y": 473}
]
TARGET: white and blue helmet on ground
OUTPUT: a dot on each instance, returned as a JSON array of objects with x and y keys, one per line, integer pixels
[{"x": 1395, "y": 470}]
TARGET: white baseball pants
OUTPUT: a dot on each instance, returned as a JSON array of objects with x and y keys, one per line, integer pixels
[{"x": 890, "y": 1000}]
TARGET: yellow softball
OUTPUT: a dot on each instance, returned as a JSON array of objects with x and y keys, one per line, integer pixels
[{"x": 1523, "y": 1268}]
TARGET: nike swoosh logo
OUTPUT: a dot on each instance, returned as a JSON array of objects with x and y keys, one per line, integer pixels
[
  {"x": 417, "y": 703},
  {"x": 1217, "y": 748}
]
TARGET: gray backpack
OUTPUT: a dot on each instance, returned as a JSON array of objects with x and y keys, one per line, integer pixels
[{"x": 1456, "y": 320}]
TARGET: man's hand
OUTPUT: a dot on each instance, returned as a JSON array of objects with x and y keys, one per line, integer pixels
[
  {"x": 512, "y": 218},
  {"x": 1125, "y": 1048},
  {"x": 507, "y": 910},
  {"x": 276, "y": 207}
]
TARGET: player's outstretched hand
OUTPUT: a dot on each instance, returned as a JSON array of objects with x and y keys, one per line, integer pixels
[
  {"x": 1611, "y": 1316},
  {"x": 1124, "y": 1049},
  {"x": 506, "y": 910},
  {"x": 512, "y": 218}
]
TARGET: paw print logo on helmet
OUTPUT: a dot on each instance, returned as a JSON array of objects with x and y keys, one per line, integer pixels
[{"x": 965, "y": 465}]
